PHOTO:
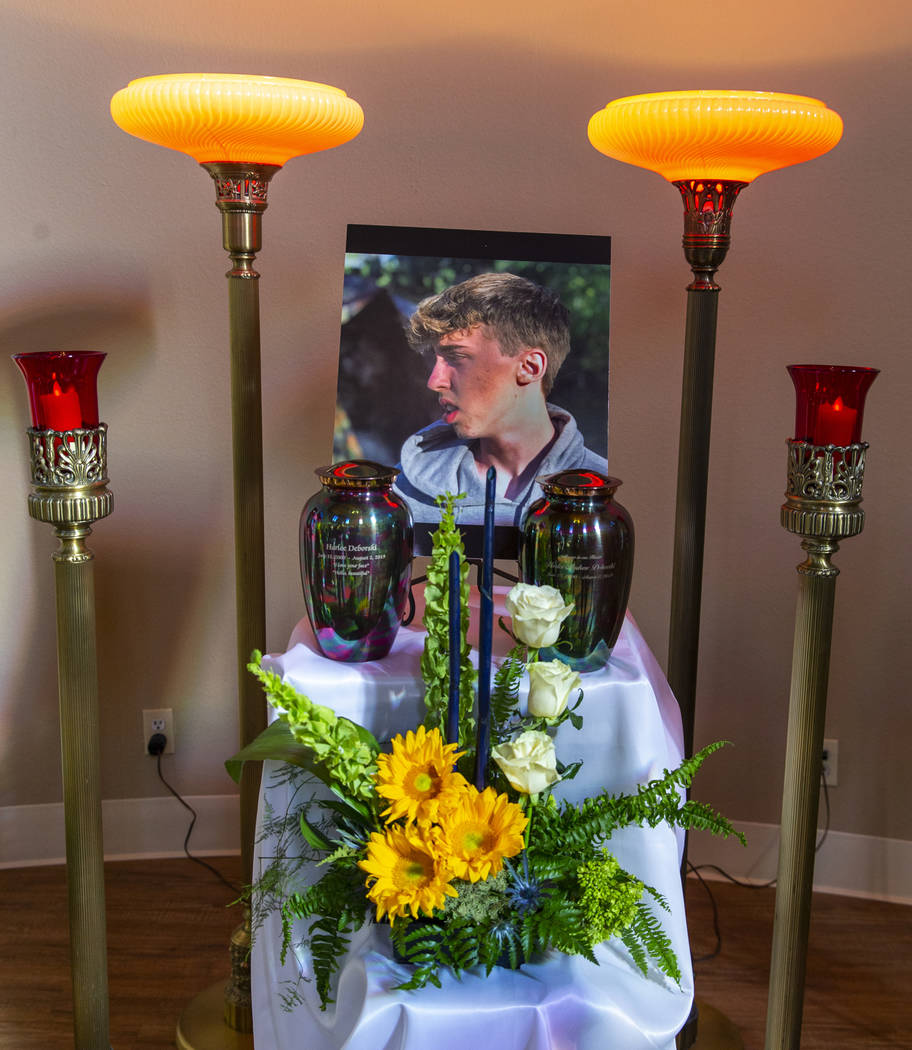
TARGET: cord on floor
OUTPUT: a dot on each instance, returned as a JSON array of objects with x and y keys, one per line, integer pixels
[
  {"x": 696, "y": 869},
  {"x": 197, "y": 860}
]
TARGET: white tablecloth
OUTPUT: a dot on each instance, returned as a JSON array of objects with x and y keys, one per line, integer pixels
[{"x": 631, "y": 732}]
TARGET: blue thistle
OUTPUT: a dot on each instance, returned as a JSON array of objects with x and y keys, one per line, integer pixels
[
  {"x": 503, "y": 938},
  {"x": 504, "y": 934},
  {"x": 526, "y": 892}
]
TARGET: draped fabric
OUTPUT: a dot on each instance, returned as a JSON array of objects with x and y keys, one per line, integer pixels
[{"x": 631, "y": 732}]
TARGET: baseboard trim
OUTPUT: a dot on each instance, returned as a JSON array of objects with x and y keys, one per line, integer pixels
[
  {"x": 847, "y": 864},
  {"x": 146, "y": 828},
  {"x": 134, "y": 828}
]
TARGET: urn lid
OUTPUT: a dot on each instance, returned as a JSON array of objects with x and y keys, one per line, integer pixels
[
  {"x": 588, "y": 483},
  {"x": 357, "y": 474}
]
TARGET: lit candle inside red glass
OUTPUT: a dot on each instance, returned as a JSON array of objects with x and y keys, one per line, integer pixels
[
  {"x": 835, "y": 423},
  {"x": 60, "y": 409},
  {"x": 62, "y": 387},
  {"x": 829, "y": 402}
]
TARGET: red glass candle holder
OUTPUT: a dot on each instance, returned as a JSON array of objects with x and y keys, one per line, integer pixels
[
  {"x": 830, "y": 402},
  {"x": 62, "y": 388}
]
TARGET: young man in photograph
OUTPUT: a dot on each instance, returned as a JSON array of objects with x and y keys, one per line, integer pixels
[{"x": 497, "y": 341}]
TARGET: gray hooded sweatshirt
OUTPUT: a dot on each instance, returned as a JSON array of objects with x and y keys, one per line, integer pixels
[{"x": 435, "y": 461}]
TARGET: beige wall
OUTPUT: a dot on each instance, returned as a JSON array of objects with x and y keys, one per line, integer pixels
[{"x": 475, "y": 117}]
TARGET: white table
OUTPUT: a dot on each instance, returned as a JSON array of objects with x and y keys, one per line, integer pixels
[{"x": 631, "y": 732}]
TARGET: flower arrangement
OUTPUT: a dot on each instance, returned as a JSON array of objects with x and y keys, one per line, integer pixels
[{"x": 466, "y": 874}]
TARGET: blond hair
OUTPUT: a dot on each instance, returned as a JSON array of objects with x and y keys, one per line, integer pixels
[{"x": 519, "y": 314}]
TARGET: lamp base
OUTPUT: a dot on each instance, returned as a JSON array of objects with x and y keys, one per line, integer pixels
[
  {"x": 202, "y": 1025},
  {"x": 715, "y": 1031}
]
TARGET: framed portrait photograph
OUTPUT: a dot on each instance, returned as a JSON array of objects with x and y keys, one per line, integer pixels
[{"x": 464, "y": 349}]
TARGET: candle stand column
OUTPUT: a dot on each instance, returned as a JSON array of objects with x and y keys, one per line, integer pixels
[
  {"x": 72, "y": 512},
  {"x": 69, "y": 479},
  {"x": 823, "y": 507}
]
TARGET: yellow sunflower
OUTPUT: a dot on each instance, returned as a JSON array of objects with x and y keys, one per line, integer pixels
[
  {"x": 405, "y": 874},
  {"x": 418, "y": 777},
  {"x": 479, "y": 832}
]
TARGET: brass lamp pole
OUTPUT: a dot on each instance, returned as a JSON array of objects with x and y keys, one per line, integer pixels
[
  {"x": 710, "y": 144},
  {"x": 242, "y": 129},
  {"x": 69, "y": 477},
  {"x": 825, "y": 474}
]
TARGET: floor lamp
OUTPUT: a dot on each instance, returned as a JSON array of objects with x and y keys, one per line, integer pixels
[
  {"x": 711, "y": 145},
  {"x": 241, "y": 129},
  {"x": 69, "y": 477}
]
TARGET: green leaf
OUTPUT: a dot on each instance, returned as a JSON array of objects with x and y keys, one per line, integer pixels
[
  {"x": 350, "y": 807},
  {"x": 276, "y": 741},
  {"x": 313, "y": 836}
]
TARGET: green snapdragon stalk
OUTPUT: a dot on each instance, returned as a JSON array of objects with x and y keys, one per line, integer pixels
[{"x": 435, "y": 668}]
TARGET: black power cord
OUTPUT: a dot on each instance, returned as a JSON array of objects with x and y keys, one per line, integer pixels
[
  {"x": 696, "y": 869},
  {"x": 157, "y": 744}
]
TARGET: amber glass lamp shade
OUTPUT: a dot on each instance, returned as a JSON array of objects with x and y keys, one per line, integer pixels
[
  {"x": 231, "y": 117},
  {"x": 726, "y": 135},
  {"x": 830, "y": 402},
  {"x": 62, "y": 388}
]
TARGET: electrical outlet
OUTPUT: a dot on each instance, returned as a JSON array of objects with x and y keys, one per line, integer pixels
[
  {"x": 158, "y": 720},
  {"x": 831, "y": 762}
]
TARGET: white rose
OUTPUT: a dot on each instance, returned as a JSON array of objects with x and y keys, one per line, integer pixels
[
  {"x": 537, "y": 613},
  {"x": 550, "y": 685},
  {"x": 528, "y": 762}
]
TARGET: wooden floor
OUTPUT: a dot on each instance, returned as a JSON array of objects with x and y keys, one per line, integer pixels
[
  {"x": 858, "y": 991},
  {"x": 168, "y": 935},
  {"x": 168, "y": 931}
]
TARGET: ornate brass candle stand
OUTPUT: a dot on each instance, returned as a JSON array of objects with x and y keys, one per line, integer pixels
[
  {"x": 69, "y": 477},
  {"x": 822, "y": 507}
]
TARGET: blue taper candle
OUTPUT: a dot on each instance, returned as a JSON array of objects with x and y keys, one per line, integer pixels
[
  {"x": 455, "y": 615},
  {"x": 485, "y": 634}
]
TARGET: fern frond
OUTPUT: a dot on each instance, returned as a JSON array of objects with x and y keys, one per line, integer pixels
[
  {"x": 646, "y": 937},
  {"x": 683, "y": 775},
  {"x": 431, "y": 946},
  {"x": 328, "y": 943},
  {"x": 698, "y": 816},
  {"x": 556, "y": 866},
  {"x": 290, "y": 997},
  {"x": 505, "y": 691},
  {"x": 559, "y": 923},
  {"x": 343, "y": 853},
  {"x": 338, "y": 899},
  {"x": 420, "y": 945},
  {"x": 637, "y": 951},
  {"x": 659, "y": 898},
  {"x": 574, "y": 827}
]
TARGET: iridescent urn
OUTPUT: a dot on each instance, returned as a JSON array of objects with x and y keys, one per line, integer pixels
[
  {"x": 356, "y": 560},
  {"x": 578, "y": 539}
]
